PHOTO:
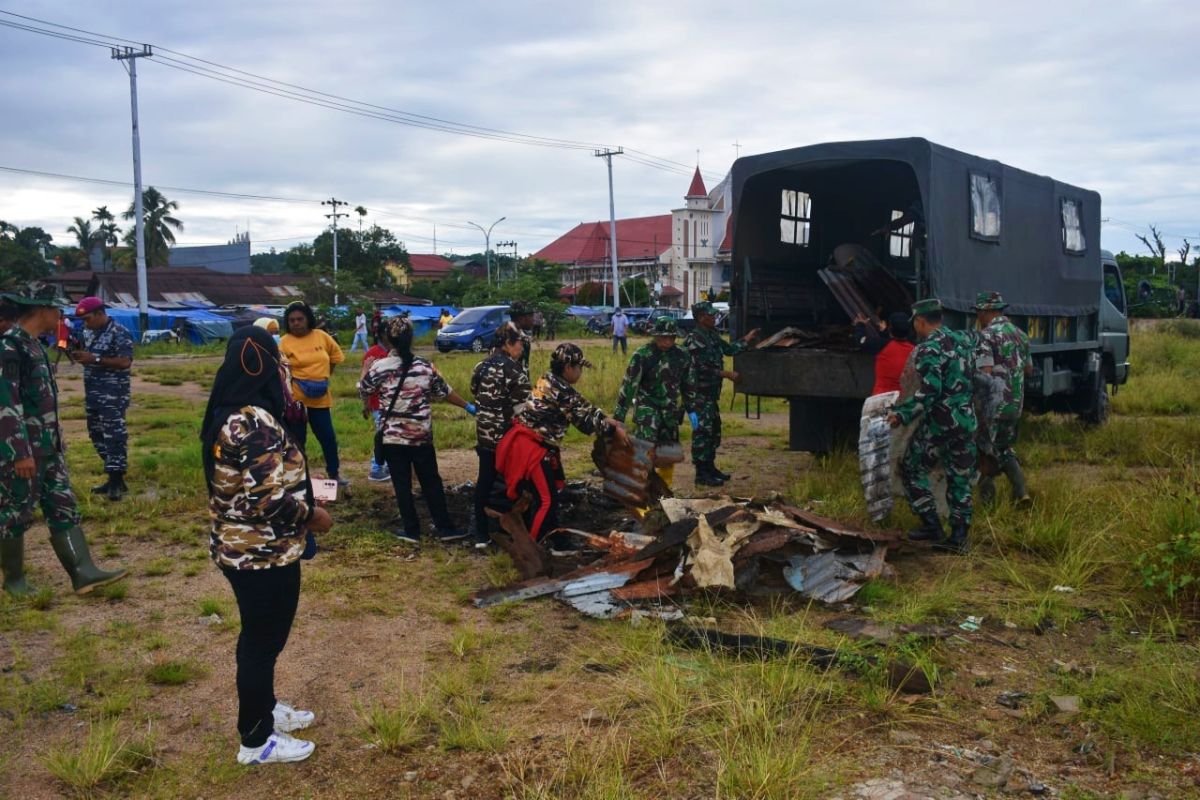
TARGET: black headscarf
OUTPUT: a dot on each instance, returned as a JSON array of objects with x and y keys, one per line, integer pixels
[{"x": 249, "y": 376}]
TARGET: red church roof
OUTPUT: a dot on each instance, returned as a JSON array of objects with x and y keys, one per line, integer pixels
[
  {"x": 697, "y": 188},
  {"x": 429, "y": 266},
  {"x": 588, "y": 242},
  {"x": 727, "y": 242}
]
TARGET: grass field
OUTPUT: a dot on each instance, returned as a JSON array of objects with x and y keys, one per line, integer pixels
[{"x": 1088, "y": 594}]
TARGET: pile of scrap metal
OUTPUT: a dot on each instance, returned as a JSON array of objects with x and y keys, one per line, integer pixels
[{"x": 748, "y": 546}]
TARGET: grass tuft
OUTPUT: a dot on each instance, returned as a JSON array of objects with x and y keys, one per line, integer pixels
[{"x": 104, "y": 760}]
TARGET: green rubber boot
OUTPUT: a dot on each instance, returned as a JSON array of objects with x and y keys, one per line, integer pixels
[
  {"x": 12, "y": 563},
  {"x": 72, "y": 550}
]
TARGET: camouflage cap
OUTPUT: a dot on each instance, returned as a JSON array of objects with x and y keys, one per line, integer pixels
[
  {"x": 664, "y": 326},
  {"x": 704, "y": 307},
  {"x": 930, "y": 305},
  {"x": 520, "y": 308},
  {"x": 989, "y": 301},
  {"x": 567, "y": 354},
  {"x": 507, "y": 334},
  {"x": 37, "y": 294}
]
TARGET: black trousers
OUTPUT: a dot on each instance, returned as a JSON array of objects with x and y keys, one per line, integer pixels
[
  {"x": 402, "y": 461},
  {"x": 267, "y": 600},
  {"x": 483, "y": 487}
]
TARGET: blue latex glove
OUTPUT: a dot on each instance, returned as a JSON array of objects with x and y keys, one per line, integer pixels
[
  {"x": 471, "y": 409},
  {"x": 692, "y": 418}
]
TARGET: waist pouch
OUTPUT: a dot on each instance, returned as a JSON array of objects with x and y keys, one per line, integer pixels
[{"x": 313, "y": 389}]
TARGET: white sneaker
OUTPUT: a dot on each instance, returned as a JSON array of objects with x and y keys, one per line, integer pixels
[
  {"x": 280, "y": 748},
  {"x": 288, "y": 719}
]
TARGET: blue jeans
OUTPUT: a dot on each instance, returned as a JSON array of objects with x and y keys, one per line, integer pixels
[
  {"x": 359, "y": 336},
  {"x": 321, "y": 422},
  {"x": 624, "y": 344}
]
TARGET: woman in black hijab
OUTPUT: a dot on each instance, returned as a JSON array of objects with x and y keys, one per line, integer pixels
[{"x": 262, "y": 509}]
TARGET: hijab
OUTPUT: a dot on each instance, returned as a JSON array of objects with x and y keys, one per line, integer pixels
[{"x": 249, "y": 376}]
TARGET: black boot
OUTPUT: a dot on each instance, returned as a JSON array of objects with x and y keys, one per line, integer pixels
[
  {"x": 116, "y": 486},
  {"x": 930, "y": 530},
  {"x": 72, "y": 550},
  {"x": 706, "y": 477},
  {"x": 1016, "y": 477},
  {"x": 957, "y": 543},
  {"x": 104, "y": 487},
  {"x": 12, "y": 564},
  {"x": 712, "y": 465}
]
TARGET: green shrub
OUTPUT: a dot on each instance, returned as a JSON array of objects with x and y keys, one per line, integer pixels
[{"x": 1172, "y": 567}]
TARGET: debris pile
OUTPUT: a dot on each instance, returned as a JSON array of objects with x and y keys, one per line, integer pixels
[{"x": 749, "y": 546}]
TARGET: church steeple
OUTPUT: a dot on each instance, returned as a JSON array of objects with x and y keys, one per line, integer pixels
[{"x": 697, "y": 188}]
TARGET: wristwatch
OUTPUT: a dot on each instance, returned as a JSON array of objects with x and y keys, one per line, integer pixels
[{"x": 95, "y": 358}]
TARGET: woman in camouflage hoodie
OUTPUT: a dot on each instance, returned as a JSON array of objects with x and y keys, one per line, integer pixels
[{"x": 261, "y": 510}]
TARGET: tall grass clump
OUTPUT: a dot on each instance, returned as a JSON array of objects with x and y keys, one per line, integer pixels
[{"x": 104, "y": 760}]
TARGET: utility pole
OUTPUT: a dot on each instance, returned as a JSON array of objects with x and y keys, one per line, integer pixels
[
  {"x": 487, "y": 244},
  {"x": 124, "y": 54},
  {"x": 612, "y": 221},
  {"x": 513, "y": 245},
  {"x": 333, "y": 203}
]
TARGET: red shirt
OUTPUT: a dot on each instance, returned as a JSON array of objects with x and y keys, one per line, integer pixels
[
  {"x": 373, "y": 353},
  {"x": 889, "y": 363}
]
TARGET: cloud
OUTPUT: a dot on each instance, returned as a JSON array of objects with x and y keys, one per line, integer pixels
[{"x": 1098, "y": 96}]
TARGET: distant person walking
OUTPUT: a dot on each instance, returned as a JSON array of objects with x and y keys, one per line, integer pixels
[
  {"x": 311, "y": 355},
  {"x": 262, "y": 509},
  {"x": 106, "y": 356},
  {"x": 445, "y": 318},
  {"x": 620, "y": 331},
  {"x": 360, "y": 331}
]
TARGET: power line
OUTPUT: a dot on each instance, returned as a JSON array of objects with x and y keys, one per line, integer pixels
[{"x": 260, "y": 83}]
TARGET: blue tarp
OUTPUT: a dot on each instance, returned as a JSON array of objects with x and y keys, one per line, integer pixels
[
  {"x": 424, "y": 318},
  {"x": 583, "y": 312},
  {"x": 202, "y": 326}
]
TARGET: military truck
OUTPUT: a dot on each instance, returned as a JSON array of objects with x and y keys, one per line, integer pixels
[{"x": 826, "y": 233}]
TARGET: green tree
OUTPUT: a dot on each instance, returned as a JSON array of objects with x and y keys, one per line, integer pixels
[
  {"x": 21, "y": 257},
  {"x": 635, "y": 293},
  {"x": 85, "y": 236},
  {"x": 107, "y": 233},
  {"x": 160, "y": 226}
]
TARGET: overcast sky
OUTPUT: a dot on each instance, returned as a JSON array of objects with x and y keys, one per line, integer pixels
[{"x": 1096, "y": 95}]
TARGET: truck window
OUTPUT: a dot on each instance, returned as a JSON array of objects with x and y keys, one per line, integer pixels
[
  {"x": 1113, "y": 289},
  {"x": 900, "y": 240},
  {"x": 985, "y": 207},
  {"x": 1074, "y": 242},
  {"x": 796, "y": 218}
]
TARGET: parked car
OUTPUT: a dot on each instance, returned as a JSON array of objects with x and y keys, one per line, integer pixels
[
  {"x": 473, "y": 329},
  {"x": 646, "y": 316}
]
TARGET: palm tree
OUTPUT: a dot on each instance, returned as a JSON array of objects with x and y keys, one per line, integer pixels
[
  {"x": 362, "y": 213},
  {"x": 160, "y": 226},
  {"x": 86, "y": 236},
  {"x": 106, "y": 233}
]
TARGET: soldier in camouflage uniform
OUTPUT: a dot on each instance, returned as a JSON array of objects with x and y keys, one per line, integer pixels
[
  {"x": 33, "y": 468},
  {"x": 944, "y": 362},
  {"x": 1002, "y": 350},
  {"x": 500, "y": 387},
  {"x": 708, "y": 350},
  {"x": 106, "y": 356},
  {"x": 528, "y": 454},
  {"x": 521, "y": 314},
  {"x": 659, "y": 387}
]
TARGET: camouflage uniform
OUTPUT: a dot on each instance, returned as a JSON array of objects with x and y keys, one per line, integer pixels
[
  {"x": 411, "y": 420},
  {"x": 519, "y": 309},
  {"x": 655, "y": 383},
  {"x": 29, "y": 428},
  {"x": 500, "y": 387},
  {"x": 708, "y": 349},
  {"x": 259, "y": 501},
  {"x": 106, "y": 394},
  {"x": 944, "y": 363},
  {"x": 554, "y": 405},
  {"x": 1005, "y": 348}
]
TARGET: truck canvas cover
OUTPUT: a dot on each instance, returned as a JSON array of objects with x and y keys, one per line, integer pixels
[{"x": 1028, "y": 261}]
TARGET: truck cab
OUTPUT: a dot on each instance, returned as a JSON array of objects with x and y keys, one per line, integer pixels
[{"x": 828, "y": 233}]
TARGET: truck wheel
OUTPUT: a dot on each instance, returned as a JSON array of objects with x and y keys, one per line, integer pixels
[
  {"x": 477, "y": 345},
  {"x": 1097, "y": 409}
]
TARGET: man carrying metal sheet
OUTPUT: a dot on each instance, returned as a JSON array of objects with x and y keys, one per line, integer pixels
[{"x": 1002, "y": 351}]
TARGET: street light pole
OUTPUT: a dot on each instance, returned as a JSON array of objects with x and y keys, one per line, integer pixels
[
  {"x": 487, "y": 244},
  {"x": 129, "y": 54},
  {"x": 607, "y": 155}
]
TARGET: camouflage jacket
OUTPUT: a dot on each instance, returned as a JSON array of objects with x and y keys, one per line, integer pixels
[
  {"x": 944, "y": 363},
  {"x": 553, "y": 406},
  {"x": 708, "y": 349},
  {"x": 411, "y": 419},
  {"x": 1005, "y": 348},
  {"x": 500, "y": 387},
  {"x": 28, "y": 400},
  {"x": 659, "y": 380},
  {"x": 259, "y": 501},
  {"x": 113, "y": 341}
]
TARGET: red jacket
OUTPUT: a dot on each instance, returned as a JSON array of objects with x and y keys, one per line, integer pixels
[
  {"x": 519, "y": 458},
  {"x": 889, "y": 363}
]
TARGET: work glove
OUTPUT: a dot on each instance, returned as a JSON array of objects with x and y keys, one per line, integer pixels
[
  {"x": 471, "y": 409},
  {"x": 694, "y": 419}
]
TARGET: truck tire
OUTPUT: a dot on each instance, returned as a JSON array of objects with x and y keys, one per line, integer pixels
[{"x": 1096, "y": 409}]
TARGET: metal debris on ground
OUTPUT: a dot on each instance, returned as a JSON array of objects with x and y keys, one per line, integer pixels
[
  {"x": 971, "y": 624},
  {"x": 753, "y": 547}
]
